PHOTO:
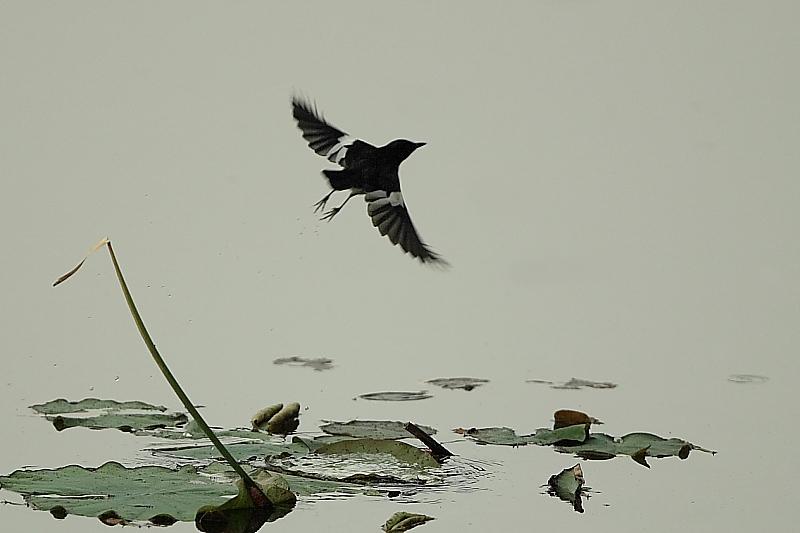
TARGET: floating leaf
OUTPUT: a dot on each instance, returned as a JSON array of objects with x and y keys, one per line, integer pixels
[
  {"x": 543, "y": 437},
  {"x": 102, "y": 414},
  {"x": 467, "y": 384},
  {"x": 399, "y": 450},
  {"x": 575, "y": 383},
  {"x": 241, "y": 451},
  {"x": 396, "y": 396},
  {"x": 318, "y": 364},
  {"x": 568, "y": 486},
  {"x": 567, "y": 417},
  {"x": 500, "y": 436},
  {"x": 577, "y": 439},
  {"x": 309, "y": 473},
  {"x": 241, "y": 514},
  {"x": 637, "y": 445},
  {"x": 132, "y": 493},
  {"x": 376, "y": 429},
  {"x": 402, "y": 521},
  {"x": 62, "y": 406}
]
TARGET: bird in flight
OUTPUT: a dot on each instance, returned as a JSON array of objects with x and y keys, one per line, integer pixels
[{"x": 366, "y": 170}]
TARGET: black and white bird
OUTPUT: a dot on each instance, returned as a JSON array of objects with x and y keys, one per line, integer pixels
[{"x": 366, "y": 170}]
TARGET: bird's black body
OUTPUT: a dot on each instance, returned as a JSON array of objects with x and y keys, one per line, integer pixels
[{"x": 366, "y": 170}]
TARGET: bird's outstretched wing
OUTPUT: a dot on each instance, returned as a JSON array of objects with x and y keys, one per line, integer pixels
[
  {"x": 324, "y": 139},
  {"x": 389, "y": 214}
]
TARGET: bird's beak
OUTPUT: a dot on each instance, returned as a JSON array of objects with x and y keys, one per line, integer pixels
[{"x": 420, "y": 145}]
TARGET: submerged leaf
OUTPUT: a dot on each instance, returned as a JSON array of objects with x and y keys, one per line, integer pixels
[
  {"x": 402, "y": 521},
  {"x": 399, "y": 450}
]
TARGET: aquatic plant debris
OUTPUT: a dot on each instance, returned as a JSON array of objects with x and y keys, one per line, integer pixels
[
  {"x": 319, "y": 364},
  {"x": 376, "y": 429},
  {"x": 747, "y": 378},
  {"x": 403, "y": 521},
  {"x": 277, "y": 419},
  {"x": 356, "y": 470},
  {"x": 398, "y": 449},
  {"x": 504, "y": 436},
  {"x": 396, "y": 396},
  {"x": 62, "y": 406},
  {"x": 567, "y": 485},
  {"x": 262, "y": 417},
  {"x": 576, "y": 383},
  {"x": 103, "y": 414},
  {"x": 567, "y": 417},
  {"x": 466, "y": 384}
]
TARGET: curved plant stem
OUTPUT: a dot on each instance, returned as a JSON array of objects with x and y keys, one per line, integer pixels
[{"x": 246, "y": 479}]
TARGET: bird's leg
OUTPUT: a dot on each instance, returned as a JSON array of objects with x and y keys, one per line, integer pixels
[
  {"x": 321, "y": 204},
  {"x": 332, "y": 213}
]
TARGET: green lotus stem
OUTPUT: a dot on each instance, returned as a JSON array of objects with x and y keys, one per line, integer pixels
[{"x": 246, "y": 479}]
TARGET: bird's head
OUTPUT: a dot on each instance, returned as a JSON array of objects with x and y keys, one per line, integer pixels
[{"x": 401, "y": 148}]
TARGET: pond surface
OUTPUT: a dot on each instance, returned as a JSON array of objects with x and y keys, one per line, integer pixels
[{"x": 615, "y": 187}]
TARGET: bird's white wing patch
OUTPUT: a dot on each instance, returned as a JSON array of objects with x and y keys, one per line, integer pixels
[
  {"x": 381, "y": 198},
  {"x": 339, "y": 151},
  {"x": 389, "y": 214},
  {"x": 396, "y": 198}
]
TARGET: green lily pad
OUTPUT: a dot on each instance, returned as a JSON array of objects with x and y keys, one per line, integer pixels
[
  {"x": 639, "y": 446},
  {"x": 543, "y": 437},
  {"x": 243, "y": 452},
  {"x": 138, "y": 493},
  {"x": 375, "y": 429},
  {"x": 62, "y": 406},
  {"x": 399, "y": 450},
  {"x": 396, "y": 396},
  {"x": 597, "y": 446},
  {"x": 102, "y": 414},
  {"x": 343, "y": 465}
]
